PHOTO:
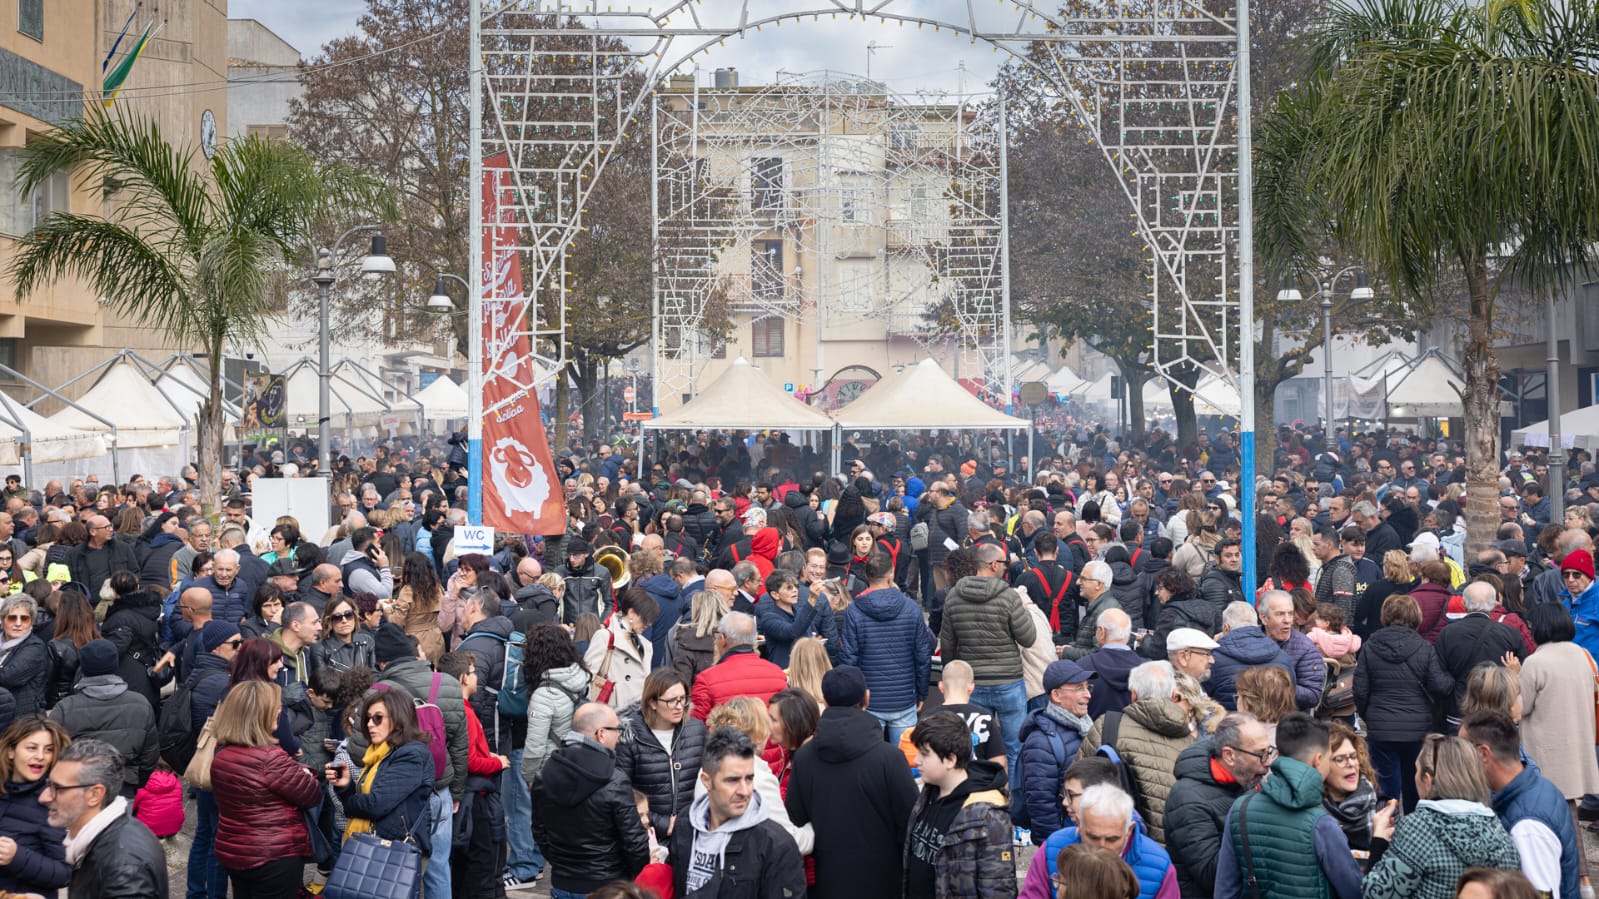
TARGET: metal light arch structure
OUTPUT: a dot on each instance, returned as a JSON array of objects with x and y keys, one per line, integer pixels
[{"x": 1185, "y": 173}]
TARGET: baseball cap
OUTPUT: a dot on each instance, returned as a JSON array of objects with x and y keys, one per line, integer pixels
[{"x": 1066, "y": 671}]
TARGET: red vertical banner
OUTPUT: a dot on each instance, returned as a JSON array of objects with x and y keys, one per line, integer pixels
[{"x": 521, "y": 490}]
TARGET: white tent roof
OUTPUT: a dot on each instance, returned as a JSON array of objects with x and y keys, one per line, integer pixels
[
  {"x": 442, "y": 400},
  {"x": 1156, "y": 394},
  {"x": 344, "y": 398},
  {"x": 1429, "y": 390},
  {"x": 1216, "y": 396},
  {"x": 52, "y": 442},
  {"x": 923, "y": 397},
  {"x": 126, "y": 398},
  {"x": 742, "y": 397},
  {"x": 1097, "y": 391},
  {"x": 1578, "y": 428},
  {"x": 364, "y": 378},
  {"x": 1064, "y": 381}
]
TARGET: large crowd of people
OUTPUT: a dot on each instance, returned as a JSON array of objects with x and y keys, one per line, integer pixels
[{"x": 737, "y": 673}]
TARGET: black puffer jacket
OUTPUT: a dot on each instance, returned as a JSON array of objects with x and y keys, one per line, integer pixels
[
  {"x": 584, "y": 818},
  {"x": 1196, "y": 809},
  {"x": 1217, "y": 588},
  {"x": 39, "y": 865},
  {"x": 24, "y": 671},
  {"x": 124, "y": 860},
  {"x": 133, "y": 625},
  {"x": 588, "y": 589},
  {"x": 699, "y": 525},
  {"x": 1397, "y": 682},
  {"x": 104, "y": 708},
  {"x": 666, "y": 778},
  {"x": 1130, "y": 590}
]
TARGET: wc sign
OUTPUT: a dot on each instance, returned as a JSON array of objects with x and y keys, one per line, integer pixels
[{"x": 474, "y": 539}]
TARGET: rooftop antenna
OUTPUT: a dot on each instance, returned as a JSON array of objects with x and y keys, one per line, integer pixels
[{"x": 871, "y": 50}]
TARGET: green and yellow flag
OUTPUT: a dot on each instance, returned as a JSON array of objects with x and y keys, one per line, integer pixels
[{"x": 115, "y": 77}]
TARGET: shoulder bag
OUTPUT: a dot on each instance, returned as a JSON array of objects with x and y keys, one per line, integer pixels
[
  {"x": 603, "y": 686},
  {"x": 198, "y": 774}
]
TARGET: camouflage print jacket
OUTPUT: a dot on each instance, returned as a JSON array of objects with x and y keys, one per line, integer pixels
[{"x": 975, "y": 859}]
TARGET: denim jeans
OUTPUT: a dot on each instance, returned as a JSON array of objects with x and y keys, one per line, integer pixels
[
  {"x": 566, "y": 894},
  {"x": 1008, "y": 702},
  {"x": 207, "y": 880},
  {"x": 436, "y": 879},
  {"x": 897, "y": 723},
  {"x": 525, "y": 861},
  {"x": 1395, "y": 764}
]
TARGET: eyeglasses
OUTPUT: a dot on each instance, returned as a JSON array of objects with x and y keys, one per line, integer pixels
[
  {"x": 342, "y": 616},
  {"x": 1264, "y": 756},
  {"x": 605, "y": 727},
  {"x": 376, "y": 718},
  {"x": 1568, "y": 575},
  {"x": 1348, "y": 758},
  {"x": 54, "y": 787},
  {"x": 19, "y": 619},
  {"x": 236, "y": 642},
  {"x": 678, "y": 702}
]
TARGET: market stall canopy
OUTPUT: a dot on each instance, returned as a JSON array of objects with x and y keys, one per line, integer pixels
[
  {"x": 743, "y": 399},
  {"x": 1096, "y": 391},
  {"x": 1579, "y": 428},
  {"x": 344, "y": 398},
  {"x": 125, "y": 397},
  {"x": 1157, "y": 395},
  {"x": 443, "y": 400},
  {"x": 1431, "y": 389},
  {"x": 1215, "y": 395},
  {"x": 374, "y": 385},
  {"x": 51, "y": 441},
  {"x": 924, "y": 397},
  {"x": 1064, "y": 382}
]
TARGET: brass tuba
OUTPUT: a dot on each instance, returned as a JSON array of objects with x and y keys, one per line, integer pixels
[{"x": 615, "y": 559}]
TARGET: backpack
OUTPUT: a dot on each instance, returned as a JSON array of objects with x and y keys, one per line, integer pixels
[
  {"x": 1054, "y": 601},
  {"x": 511, "y": 696},
  {"x": 1018, "y": 794},
  {"x": 1109, "y": 730},
  {"x": 1338, "y": 691},
  {"x": 431, "y": 720},
  {"x": 175, "y": 730}
]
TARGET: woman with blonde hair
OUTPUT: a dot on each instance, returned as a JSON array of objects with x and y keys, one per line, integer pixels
[
  {"x": 1200, "y": 547},
  {"x": 749, "y": 716},
  {"x": 1204, "y": 713},
  {"x": 1451, "y": 830},
  {"x": 1493, "y": 688},
  {"x": 807, "y": 662},
  {"x": 1267, "y": 692},
  {"x": 695, "y": 639},
  {"x": 261, "y": 840}
]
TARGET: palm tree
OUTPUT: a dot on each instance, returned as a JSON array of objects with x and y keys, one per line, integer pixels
[
  {"x": 189, "y": 245},
  {"x": 1451, "y": 142}
]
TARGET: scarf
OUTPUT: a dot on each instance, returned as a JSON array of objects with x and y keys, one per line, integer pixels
[
  {"x": 6, "y": 646},
  {"x": 77, "y": 845},
  {"x": 1079, "y": 723},
  {"x": 369, "y": 772}
]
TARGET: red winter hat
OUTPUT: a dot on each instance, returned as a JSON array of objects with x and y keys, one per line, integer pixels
[{"x": 1578, "y": 560}]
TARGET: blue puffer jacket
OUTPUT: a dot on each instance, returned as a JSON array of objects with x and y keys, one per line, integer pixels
[
  {"x": 1530, "y": 796},
  {"x": 230, "y": 603},
  {"x": 667, "y": 595},
  {"x": 1148, "y": 859},
  {"x": 39, "y": 865},
  {"x": 1042, "y": 775},
  {"x": 210, "y": 679},
  {"x": 885, "y": 637},
  {"x": 1241, "y": 648}
]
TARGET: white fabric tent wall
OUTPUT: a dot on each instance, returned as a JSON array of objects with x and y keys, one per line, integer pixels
[
  {"x": 1579, "y": 428},
  {"x": 348, "y": 405},
  {"x": 51, "y": 441},
  {"x": 1064, "y": 382},
  {"x": 1428, "y": 390}
]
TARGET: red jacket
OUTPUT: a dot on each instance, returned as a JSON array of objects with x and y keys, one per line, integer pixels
[
  {"x": 159, "y": 804},
  {"x": 479, "y": 759},
  {"x": 260, "y": 793},
  {"x": 739, "y": 673}
]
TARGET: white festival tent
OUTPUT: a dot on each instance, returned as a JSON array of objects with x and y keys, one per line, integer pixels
[
  {"x": 1215, "y": 395},
  {"x": 1579, "y": 429},
  {"x": 1064, "y": 382},
  {"x": 1430, "y": 389},
  {"x": 742, "y": 398},
  {"x": 126, "y": 396},
  {"x": 442, "y": 400},
  {"x": 348, "y": 403},
  {"x": 23, "y": 430},
  {"x": 923, "y": 397}
]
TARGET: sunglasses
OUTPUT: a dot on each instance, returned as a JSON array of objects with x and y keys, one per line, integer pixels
[
  {"x": 376, "y": 718},
  {"x": 20, "y": 619},
  {"x": 342, "y": 616},
  {"x": 236, "y": 642}
]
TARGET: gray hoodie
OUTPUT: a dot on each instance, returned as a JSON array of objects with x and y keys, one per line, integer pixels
[{"x": 709, "y": 845}]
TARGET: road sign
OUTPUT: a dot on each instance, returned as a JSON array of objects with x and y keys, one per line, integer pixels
[
  {"x": 637, "y": 416},
  {"x": 788, "y": 386},
  {"x": 627, "y": 394},
  {"x": 1034, "y": 393},
  {"x": 474, "y": 539}
]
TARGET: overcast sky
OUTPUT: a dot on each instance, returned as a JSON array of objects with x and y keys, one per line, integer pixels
[{"x": 908, "y": 59}]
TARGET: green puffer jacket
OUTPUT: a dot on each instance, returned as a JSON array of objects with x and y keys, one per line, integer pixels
[
  {"x": 1083, "y": 642},
  {"x": 984, "y": 621},
  {"x": 1282, "y": 833},
  {"x": 1152, "y": 734},
  {"x": 1433, "y": 845}
]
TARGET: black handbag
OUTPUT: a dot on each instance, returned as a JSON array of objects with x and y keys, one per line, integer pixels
[
  {"x": 370, "y": 867},
  {"x": 323, "y": 849}
]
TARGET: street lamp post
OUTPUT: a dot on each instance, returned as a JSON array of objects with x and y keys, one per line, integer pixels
[
  {"x": 376, "y": 262},
  {"x": 1361, "y": 293}
]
